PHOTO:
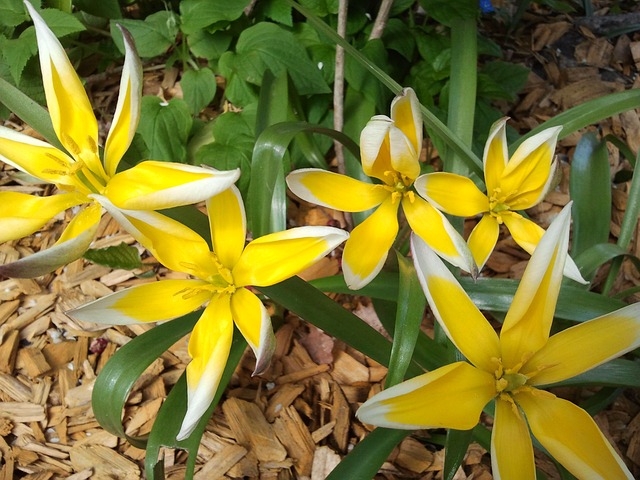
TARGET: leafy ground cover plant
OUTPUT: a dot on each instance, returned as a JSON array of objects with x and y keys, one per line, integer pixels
[{"x": 269, "y": 61}]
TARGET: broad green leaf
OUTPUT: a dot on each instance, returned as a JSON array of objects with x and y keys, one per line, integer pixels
[
  {"x": 360, "y": 79},
  {"x": 118, "y": 256},
  {"x": 17, "y": 52},
  {"x": 397, "y": 36},
  {"x": 153, "y": 35},
  {"x": 116, "y": 379},
  {"x": 447, "y": 12},
  {"x": 169, "y": 419},
  {"x": 209, "y": 45},
  {"x": 165, "y": 127},
  {"x": 411, "y": 304},
  {"x": 12, "y": 13},
  {"x": 196, "y": 14},
  {"x": 279, "y": 11},
  {"x": 199, "y": 88},
  {"x": 61, "y": 23},
  {"x": 501, "y": 80},
  {"x": 590, "y": 187},
  {"x": 366, "y": 458},
  {"x": 267, "y": 45},
  {"x": 321, "y": 8},
  {"x": 103, "y": 8},
  {"x": 455, "y": 448}
]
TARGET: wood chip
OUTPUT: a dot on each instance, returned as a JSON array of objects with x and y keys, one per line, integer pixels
[{"x": 106, "y": 463}]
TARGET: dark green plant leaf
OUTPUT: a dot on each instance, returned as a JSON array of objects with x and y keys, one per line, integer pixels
[
  {"x": 61, "y": 23},
  {"x": 153, "y": 35},
  {"x": 103, "y": 8},
  {"x": 209, "y": 45},
  {"x": 269, "y": 46},
  {"x": 364, "y": 461},
  {"x": 616, "y": 373},
  {"x": 197, "y": 15},
  {"x": 446, "y": 12},
  {"x": 165, "y": 127},
  {"x": 199, "y": 88},
  {"x": 17, "y": 52},
  {"x": 12, "y": 13},
  {"x": 590, "y": 187},
  {"x": 455, "y": 449},
  {"x": 116, "y": 379},
  {"x": 411, "y": 305},
  {"x": 397, "y": 36},
  {"x": 279, "y": 11},
  {"x": 596, "y": 255},
  {"x": 502, "y": 80},
  {"x": 359, "y": 78},
  {"x": 119, "y": 256}
]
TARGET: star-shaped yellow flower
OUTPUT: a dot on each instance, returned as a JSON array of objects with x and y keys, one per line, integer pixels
[
  {"x": 221, "y": 280},
  {"x": 390, "y": 149},
  {"x": 513, "y": 184},
  {"x": 80, "y": 174},
  {"x": 511, "y": 368}
]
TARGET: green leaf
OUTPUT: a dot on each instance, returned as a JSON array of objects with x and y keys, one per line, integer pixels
[
  {"x": 17, "y": 52},
  {"x": 502, "y": 80},
  {"x": 196, "y": 14},
  {"x": 199, "y": 88},
  {"x": 118, "y": 256},
  {"x": 446, "y": 12},
  {"x": 209, "y": 45},
  {"x": 616, "y": 373},
  {"x": 116, "y": 379},
  {"x": 153, "y": 35},
  {"x": 455, "y": 449},
  {"x": 269, "y": 46},
  {"x": 364, "y": 461},
  {"x": 359, "y": 78},
  {"x": 165, "y": 127},
  {"x": 411, "y": 305},
  {"x": 103, "y": 8},
  {"x": 12, "y": 13},
  {"x": 61, "y": 23},
  {"x": 397, "y": 36},
  {"x": 596, "y": 255},
  {"x": 278, "y": 10},
  {"x": 590, "y": 187}
]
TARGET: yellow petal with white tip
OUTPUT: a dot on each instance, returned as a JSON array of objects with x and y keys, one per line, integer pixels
[
  {"x": 127, "y": 115},
  {"x": 511, "y": 447},
  {"x": 209, "y": 348},
  {"x": 452, "y": 396},
  {"x": 71, "y": 245},
  {"x": 434, "y": 228},
  {"x": 405, "y": 112},
  {"x": 366, "y": 250},
  {"x": 460, "y": 319},
  {"x": 228, "y": 225},
  {"x": 71, "y": 112},
  {"x": 585, "y": 346},
  {"x": 375, "y": 149},
  {"x": 37, "y": 158},
  {"x": 526, "y": 326},
  {"x": 571, "y": 436},
  {"x": 254, "y": 322},
  {"x": 336, "y": 191},
  {"x": 495, "y": 155},
  {"x": 149, "y": 302},
  {"x": 22, "y": 214},
  {"x": 275, "y": 257},
  {"x": 155, "y": 185},
  {"x": 451, "y": 193},
  {"x": 404, "y": 157}
]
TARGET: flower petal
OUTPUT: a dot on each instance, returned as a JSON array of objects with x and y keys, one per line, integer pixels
[
  {"x": 375, "y": 150},
  {"x": 526, "y": 326},
  {"x": 275, "y": 257},
  {"x": 152, "y": 185},
  {"x": 209, "y": 348},
  {"x": 35, "y": 157},
  {"x": 405, "y": 112},
  {"x": 452, "y": 396},
  {"x": 254, "y": 322},
  {"x": 125, "y": 120},
  {"x": 461, "y": 320},
  {"x": 572, "y": 437},
  {"x": 527, "y": 234},
  {"x": 483, "y": 239},
  {"x": 336, "y": 191},
  {"x": 174, "y": 245},
  {"x": 511, "y": 447},
  {"x": 527, "y": 176},
  {"x": 71, "y": 112},
  {"x": 149, "y": 302},
  {"x": 366, "y": 250},
  {"x": 585, "y": 346},
  {"x": 495, "y": 155},
  {"x": 71, "y": 245},
  {"x": 434, "y": 228},
  {"x": 22, "y": 214},
  {"x": 228, "y": 224},
  {"x": 451, "y": 193},
  {"x": 404, "y": 158}
]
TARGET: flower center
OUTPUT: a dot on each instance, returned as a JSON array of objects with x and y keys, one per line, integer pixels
[
  {"x": 399, "y": 185},
  {"x": 509, "y": 380},
  {"x": 498, "y": 204}
]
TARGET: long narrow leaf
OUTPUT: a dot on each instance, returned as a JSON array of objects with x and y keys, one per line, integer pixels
[
  {"x": 455, "y": 448},
  {"x": 590, "y": 260},
  {"x": 115, "y": 381}
]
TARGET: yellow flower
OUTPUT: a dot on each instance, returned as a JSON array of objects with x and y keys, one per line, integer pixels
[
  {"x": 515, "y": 183},
  {"x": 511, "y": 368},
  {"x": 81, "y": 174},
  {"x": 390, "y": 149},
  {"x": 221, "y": 280}
]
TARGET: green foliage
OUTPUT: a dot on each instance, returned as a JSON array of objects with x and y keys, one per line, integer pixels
[
  {"x": 197, "y": 15},
  {"x": 153, "y": 35},
  {"x": 165, "y": 128},
  {"x": 118, "y": 256},
  {"x": 199, "y": 88}
]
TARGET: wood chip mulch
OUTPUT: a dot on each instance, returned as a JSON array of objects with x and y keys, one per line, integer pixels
[{"x": 297, "y": 420}]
